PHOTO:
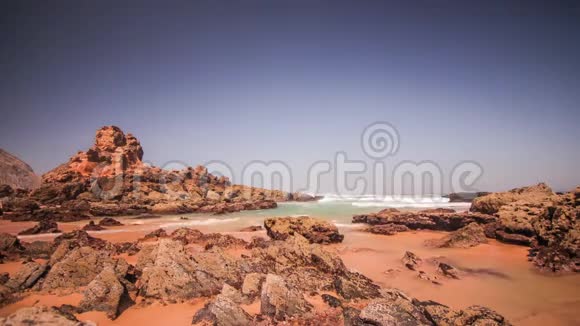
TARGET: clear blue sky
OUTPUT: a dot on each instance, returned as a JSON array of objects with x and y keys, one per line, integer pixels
[{"x": 496, "y": 82}]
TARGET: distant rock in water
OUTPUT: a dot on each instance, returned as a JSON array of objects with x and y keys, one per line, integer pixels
[
  {"x": 16, "y": 173},
  {"x": 465, "y": 197}
]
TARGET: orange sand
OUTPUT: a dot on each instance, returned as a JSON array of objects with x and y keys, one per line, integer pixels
[{"x": 501, "y": 277}]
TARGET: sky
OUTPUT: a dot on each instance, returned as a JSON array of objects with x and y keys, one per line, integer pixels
[{"x": 492, "y": 82}]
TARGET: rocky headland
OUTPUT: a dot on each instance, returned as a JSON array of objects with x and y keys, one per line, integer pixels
[
  {"x": 533, "y": 216},
  {"x": 111, "y": 179}
]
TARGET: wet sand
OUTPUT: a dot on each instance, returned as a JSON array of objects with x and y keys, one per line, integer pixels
[{"x": 494, "y": 275}]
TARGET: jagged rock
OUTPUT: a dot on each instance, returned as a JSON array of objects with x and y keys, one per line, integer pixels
[
  {"x": 398, "y": 311},
  {"x": 466, "y": 237},
  {"x": 79, "y": 267},
  {"x": 387, "y": 229},
  {"x": 252, "y": 285},
  {"x": 130, "y": 248},
  {"x": 430, "y": 219},
  {"x": 80, "y": 238},
  {"x": 279, "y": 301},
  {"x": 209, "y": 240},
  {"x": 517, "y": 239},
  {"x": 157, "y": 234},
  {"x": 108, "y": 221},
  {"x": 168, "y": 273},
  {"x": 222, "y": 311},
  {"x": 558, "y": 239},
  {"x": 315, "y": 230},
  {"x": 92, "y": 227},
  {"x": 41, "y": 316},
  {"x": 411, "y": 261},
  {"x": 448, "y": 270},
  {"x": 38, "y": 249},
  {"x": 10, "y": 247},
  {"x": 15, "y": 173},
  {"x": 491, "y": 203},
  {"x": 26, "y": 277},
  {"x": 353, "y": 285},
  {"x": 187, "y": 236},
  {"x": 473, "y": 315},
  {"x": 104, "y": 293},
  {"x": 42, "y": 227}
]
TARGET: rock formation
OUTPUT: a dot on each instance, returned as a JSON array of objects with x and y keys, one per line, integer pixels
[
  {"x": 313, "y": 229},
  {"x": 111, "y": 179},
  {"x": 15, "y": 173},
  {"x": 532, "y": 216}
]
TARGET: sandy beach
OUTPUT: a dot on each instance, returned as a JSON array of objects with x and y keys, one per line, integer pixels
[{"x": 494, "y": 274}]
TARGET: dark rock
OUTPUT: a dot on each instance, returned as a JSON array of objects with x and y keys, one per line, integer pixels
[
  {"x": 448, "y": 270},
  {"x": 387, "y": 229},
  {"x": 469, "y": 236},
  {"x": 26, "y": 277},
  {"x": 92, "y": 227},
  {"x": 42, "y": 227},
  {"x": 411, "y": 261},
  {"x": 159, "y": 233},
  {"x": 315, "y": 230},
  {"x": 108, "y": 221}
]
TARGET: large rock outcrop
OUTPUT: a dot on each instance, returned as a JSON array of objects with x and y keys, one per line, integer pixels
[
  {"x": 110, "y": 179},
  {"x": 16, "y": 173},
  {"x": 314, "y": 229}
]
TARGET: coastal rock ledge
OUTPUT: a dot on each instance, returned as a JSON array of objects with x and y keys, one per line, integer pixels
[{"x": 111, "y": 179}]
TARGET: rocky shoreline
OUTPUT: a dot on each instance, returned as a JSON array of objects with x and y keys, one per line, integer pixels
[
  {"x": 110, "y": 179},
  {"x": 228, "y": 272},
  {"x": 534, "y": 216}
]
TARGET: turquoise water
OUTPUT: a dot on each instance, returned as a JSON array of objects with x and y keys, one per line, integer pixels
[{"x": 340, "y": 212}]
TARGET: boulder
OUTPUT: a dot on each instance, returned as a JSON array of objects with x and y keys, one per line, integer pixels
[
  {"x": 252, "y": 286},
  {"x": 104, "y": 293},
  {"x": 42, "y": 227},
  {"x": 27, "y": 276},
  {"x": 474, "y": 315},
  {"x": 315, "y": 230},
  {"x": 469, "y": 236},
  {"x": 398, "y": 311},
  {"x": 92, "y": 227},
  {"x": 387, "y": 229},
  {"x": 108, "y": 221},
  {"x": 491, "y": 203},
  {"x": 411, "y": 261},
  {"x": 79, "y": 267},
  {"x": 224, "y": 312},
  {"x": 169, "y": 274},
  {"x": 280, "y": 301},
  {"x": 438, "y": 219},
  {"x": 41, "y": 315}
]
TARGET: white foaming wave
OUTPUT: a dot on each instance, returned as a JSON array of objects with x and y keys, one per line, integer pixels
[
  {"x": 413, "y": 204},
  {"x": 349, "y": 226},
  {"x": 431, "y": 200},
  {"x": 209, "y": 221}
]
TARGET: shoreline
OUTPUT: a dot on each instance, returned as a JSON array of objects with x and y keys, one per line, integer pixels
[{"x": 500, "y": 276}]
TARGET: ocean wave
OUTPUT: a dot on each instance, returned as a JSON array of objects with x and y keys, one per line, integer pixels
[
  {"x": 411, "y": 204},
  {"x": 209, "y": 221},
  {"x": 432, "y": 199}
]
